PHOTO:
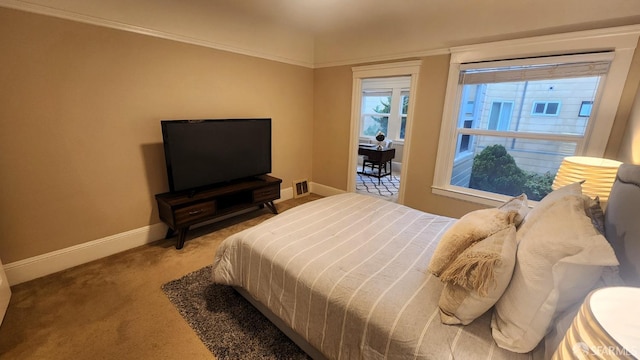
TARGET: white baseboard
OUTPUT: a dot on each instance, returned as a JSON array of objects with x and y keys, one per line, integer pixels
[
  {"x": 324, "y": 190},
  {"x": 285, "y": 194},
  {"x": 49, "y": 263}
]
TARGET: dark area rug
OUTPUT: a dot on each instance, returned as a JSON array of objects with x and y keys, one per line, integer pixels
[
  {"x": 388, "y": 186},
  {"x": 227, "y": 324}
]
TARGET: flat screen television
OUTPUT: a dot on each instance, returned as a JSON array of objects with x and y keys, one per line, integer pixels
[{"x": 202, "y": 153}]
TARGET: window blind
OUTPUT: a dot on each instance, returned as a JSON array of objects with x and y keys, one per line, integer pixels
[
  {"x": 376, "y": 92},
  {"x": 510, "y": 71}
]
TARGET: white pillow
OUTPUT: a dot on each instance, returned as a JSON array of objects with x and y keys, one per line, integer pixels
[
  {"x": 478, "y": 277},
  {"x": 560, "y": 258},
  {"x": 518, "y": 204},
  {"x": 552, "y": 197}
]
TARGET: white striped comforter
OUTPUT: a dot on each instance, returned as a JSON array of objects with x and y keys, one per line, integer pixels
[{"x": 348, "y": 273}]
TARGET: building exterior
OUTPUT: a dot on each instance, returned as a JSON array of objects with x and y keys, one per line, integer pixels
[{"x": 554, "y": 106}]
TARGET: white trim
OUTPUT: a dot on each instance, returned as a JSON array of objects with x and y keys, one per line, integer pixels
[
  {"x": 603, "y": 58},
  {"x": 521, "y": 135},
  {"x": 394, "y": 88},
  {"x": 87, "y": 19},
  {"x": 5, "y": 293},
  {"x": 285, "y": 194},
  {"x": 447, "y": 149},
  {"x": 404, "y": 68},
  {"x": 52, "y": 262},
  {"x": 68, "y": 15},
  {"x": 621, "y": 37},
  {"x": 477, "y": 198},
  {"x": 621, "y": 40},
  {"x": 354, "y": 133},
  {"x": 386, "y": 70},
  {"x": 379, "y": 58},
  {"x": 324, "y": 190},
  {"x": 49, "y": 263}
]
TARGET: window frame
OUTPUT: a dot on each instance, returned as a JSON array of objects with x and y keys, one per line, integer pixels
[
  {"x": 364, "y": 115},
  {"x": 620, "y": 42},
  {"x": 404, "y": 115},
  {"x": 360, "y": 73},
  {"x": 501, "y": 124},
  {"x": 397, "y": 87},
  {"x": 546, "y": 106},
  {"x": 582, "y": 106}
]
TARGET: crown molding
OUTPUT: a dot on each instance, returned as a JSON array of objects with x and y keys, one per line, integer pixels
[
  {"x": 383, "y": 58},
  {"x": 68, "y": 15},
  {"x": 93, "y": 20}
]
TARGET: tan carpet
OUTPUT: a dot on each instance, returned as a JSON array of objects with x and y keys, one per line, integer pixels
[{"x": 114, "y": 308}]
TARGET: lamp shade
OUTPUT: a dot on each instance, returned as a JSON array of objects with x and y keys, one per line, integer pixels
[
  {"x": 598, "y": 175},
  {"x": 606, "y": 327}
]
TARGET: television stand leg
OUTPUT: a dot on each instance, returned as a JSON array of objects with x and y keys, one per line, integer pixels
[
  {"x": 182, "y": 236},
  {"x": 272, "y": 207},
  {"x": 170, "y": 233}
]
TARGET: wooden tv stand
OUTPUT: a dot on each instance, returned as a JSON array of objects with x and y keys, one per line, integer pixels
[{"x": 180, "y": 210}]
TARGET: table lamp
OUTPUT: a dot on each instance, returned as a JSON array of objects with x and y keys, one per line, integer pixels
[
  {"x": 380, "y": 137},
  {"x": 606, "y": 327},
  {"x": 598, "y": 175}
]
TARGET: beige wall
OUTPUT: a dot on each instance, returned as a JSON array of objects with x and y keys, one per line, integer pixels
[
  {"x": 333, "y": 86},
  {"x": 80, "y": 139},
  {"x": 331, "y": 126},
  {"x": 424, "y": 143},
  {"x": 227, "y": 25}
]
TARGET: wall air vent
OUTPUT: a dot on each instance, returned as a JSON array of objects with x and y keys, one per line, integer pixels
[{"x": 300, "y": 188}]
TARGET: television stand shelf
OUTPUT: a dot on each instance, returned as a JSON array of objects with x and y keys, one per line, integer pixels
[{"x": 180, "y": 210}]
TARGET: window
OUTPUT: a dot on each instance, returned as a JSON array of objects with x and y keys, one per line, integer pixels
[
  {"x": 514, "y": 149},
  {"x": 500, "y": 115},
  {"x": 585, "y": 109},
  {"x": 548, "y": 108},
  {"x": 471, "y": 96},
  {"x": 404, "y": 105},
  {"x": 514, "y": 120},
  {"x": 375, "y": 112},
  {"x": 384, "y": 107}
]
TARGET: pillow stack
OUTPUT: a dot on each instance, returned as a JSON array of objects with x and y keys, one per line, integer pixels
[
  {"x": 560, "y": 258},
  {"x": 475, "y": 258},
  {"x": 533, "y": 276}
]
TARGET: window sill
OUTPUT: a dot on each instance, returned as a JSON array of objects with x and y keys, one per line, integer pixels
[{"x": 476, "y": 198}]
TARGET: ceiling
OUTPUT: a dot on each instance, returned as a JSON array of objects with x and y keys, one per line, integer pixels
[
  {"x": 321, "y": 17},
  {"x": 318, "y": 33}
]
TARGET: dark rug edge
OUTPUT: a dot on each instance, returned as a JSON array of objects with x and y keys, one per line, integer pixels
[{"x": 226, "y": 323}]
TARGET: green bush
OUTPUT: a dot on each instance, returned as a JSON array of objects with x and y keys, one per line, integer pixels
[
  {"x": 537, "y": 185},
  {"x": 494, "y": 170}
]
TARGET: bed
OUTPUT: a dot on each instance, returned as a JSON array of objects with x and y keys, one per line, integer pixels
[{"x": 348, "y": 277}]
